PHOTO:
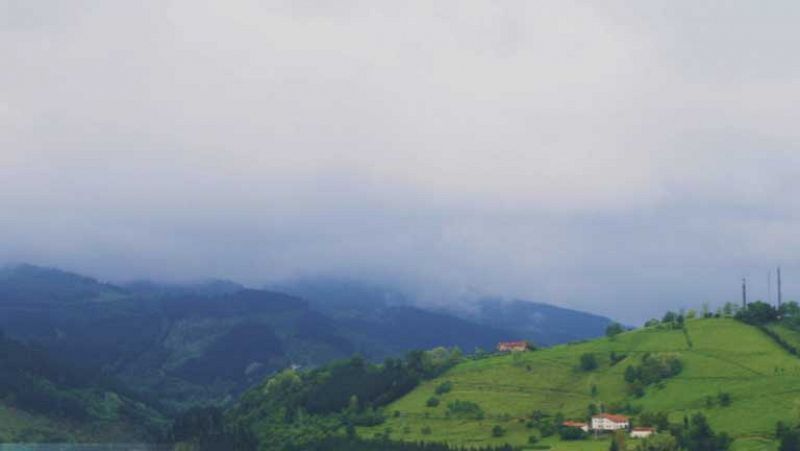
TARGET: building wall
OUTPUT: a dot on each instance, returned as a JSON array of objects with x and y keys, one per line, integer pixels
[{"x": 605, "y": 424}]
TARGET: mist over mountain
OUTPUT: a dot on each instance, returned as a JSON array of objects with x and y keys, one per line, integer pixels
[{"x": 381, "y": 306}]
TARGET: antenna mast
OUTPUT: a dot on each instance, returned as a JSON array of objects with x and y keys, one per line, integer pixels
[
  {"x": 780, "y": 294},
  {"x": 744, "y": 293}
]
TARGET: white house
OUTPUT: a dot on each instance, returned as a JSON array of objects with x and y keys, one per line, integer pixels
[
  {"x": 642, "y": 432},
  {"x": 610, "y": 422}
]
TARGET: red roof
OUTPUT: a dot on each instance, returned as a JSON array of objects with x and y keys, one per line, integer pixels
[
  {"x": 513, "y": 343},
  {"x": 612, "y": 417},
  {"x": 574, "y": 424}
]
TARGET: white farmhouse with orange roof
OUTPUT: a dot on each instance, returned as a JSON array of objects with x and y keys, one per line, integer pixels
[{"x": 610, "y": 422}]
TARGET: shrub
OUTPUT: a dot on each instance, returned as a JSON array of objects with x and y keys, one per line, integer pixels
[
  {"x": 426, "y": 430},
  {"x": 498, "y": 431},
  {"x": 570, "y": 433},
  {"x": 724, "y": 399},
  {"x": 444, "y": 387},
  {"x": 433, "y": 401},
  {"x": 757, "y": 313},
  {"x": 588, "y": 361}
]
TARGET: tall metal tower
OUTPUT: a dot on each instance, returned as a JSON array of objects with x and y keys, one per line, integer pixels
[
  {"x": 780, "y": 294},
  {"x": 744, "y": 293}
]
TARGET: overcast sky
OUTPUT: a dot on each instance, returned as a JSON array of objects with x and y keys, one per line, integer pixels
[{"x": 618, "y": 157}]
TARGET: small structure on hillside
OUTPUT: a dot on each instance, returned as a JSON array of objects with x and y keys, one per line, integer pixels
[
  {"x": 610, "y": 422},
  {"x": 576, "y": 424},
  {"x": 512, "y": 346},
  {"x": 642, "y": 432}
]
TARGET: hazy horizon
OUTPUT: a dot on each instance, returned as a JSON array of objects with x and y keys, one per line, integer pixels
[{"x": 622, "y": 159}]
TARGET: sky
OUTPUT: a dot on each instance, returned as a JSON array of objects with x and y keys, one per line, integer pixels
[{"x": 619, "y": 157}]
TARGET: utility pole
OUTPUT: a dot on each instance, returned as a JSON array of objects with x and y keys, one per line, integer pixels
[
  {"x": 744, "y": 293},
  {"x": 780, "y": 294},
  {"x": 769, "y": 286}
]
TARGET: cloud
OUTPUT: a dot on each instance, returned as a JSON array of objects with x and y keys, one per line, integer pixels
[{"x": 618, "y": 158}]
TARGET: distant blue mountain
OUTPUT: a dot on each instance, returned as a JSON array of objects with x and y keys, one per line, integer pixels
[{"x": 479, "y": 324}]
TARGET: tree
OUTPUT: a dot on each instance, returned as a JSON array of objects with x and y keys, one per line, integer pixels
[
  {"x": 571, "y": 433},
  {"x": 700, "y": 436},
  {"x": 588, "y": 361},
  {"x": 789, "y": 437},
  {"x": 757, "y": 313},
  {"x": 631, "y": 374},
  {"x": 498, "y": 431},
  {"x": 444, "y": 387},
  {"x": 614, "y": 329}
]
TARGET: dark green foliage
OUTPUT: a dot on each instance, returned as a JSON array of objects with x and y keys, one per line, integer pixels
[
  {"x": 588, "y": 361},
  {"x": 789, "y": 437},
  {"x": 757, "y": 313},
  {"x": 498, "y": 431},
  {"x": 631, "y": 374},
  {"x": 331, "y": 388},
  {"x": 653, "y": 368},
  {"x": 206, "y": 429},
  {"x": 614, "y": 329},
  {"x": 724, "y": 399},
  {"x": 34, "y": 381},
  {"x": 295, "y": 409},
  {"x": 433, "y": 401},
  {"x": 546, "y": 424},
  {"x": 672, "y": 320},
  {"x": 444, "y": 387},
  {"x": 700, "y": 436},
  {"x": 571, "y": 433}
]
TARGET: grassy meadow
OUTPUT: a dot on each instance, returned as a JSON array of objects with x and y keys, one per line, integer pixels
[{"x": 718, "y": 355}]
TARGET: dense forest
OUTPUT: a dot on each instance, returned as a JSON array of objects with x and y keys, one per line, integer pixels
[{"x": 298, "y": 409}]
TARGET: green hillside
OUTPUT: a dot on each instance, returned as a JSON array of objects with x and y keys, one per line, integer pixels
[{"x": 717, "y": 355}]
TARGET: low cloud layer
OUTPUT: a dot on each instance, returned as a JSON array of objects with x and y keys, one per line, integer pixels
[{"x": 620, "y": 157}]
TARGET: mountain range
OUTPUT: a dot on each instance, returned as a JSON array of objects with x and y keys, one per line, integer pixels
[{"x": 179, "y": 345}]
